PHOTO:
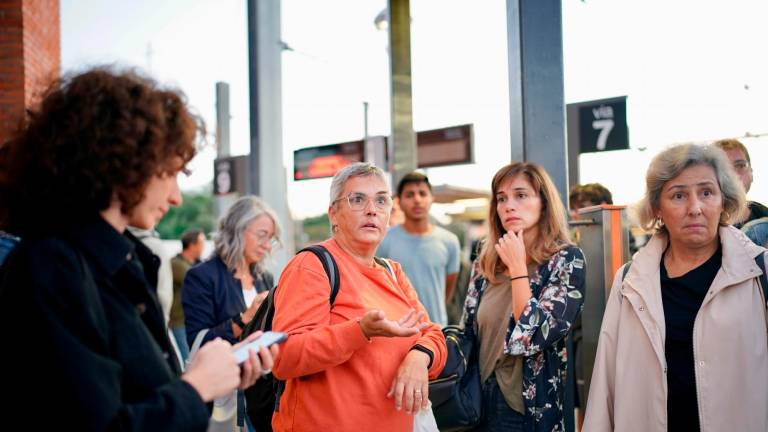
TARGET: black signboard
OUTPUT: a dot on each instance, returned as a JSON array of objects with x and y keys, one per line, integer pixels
[
  {"x": 327, "y": 160},
  {"x": 602, "y": 125},
  {"x": 437, "y": 147},
  {"x": 445, "y": 146}
]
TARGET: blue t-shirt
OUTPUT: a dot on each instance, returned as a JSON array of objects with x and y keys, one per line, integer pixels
[{"x": 426, "y": 260}]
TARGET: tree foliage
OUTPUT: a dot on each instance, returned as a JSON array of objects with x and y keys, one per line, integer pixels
[{"x": 196, "y": 211}]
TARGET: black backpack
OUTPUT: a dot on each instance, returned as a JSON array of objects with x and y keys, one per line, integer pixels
[{"x": 263, "y": 398}]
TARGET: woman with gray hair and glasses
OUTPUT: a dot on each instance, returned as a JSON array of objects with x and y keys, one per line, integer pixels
[
  {"x": 683, "y": 340},
  {"x": 363, "y": 362},
  {"x": 221, "y": 295}
]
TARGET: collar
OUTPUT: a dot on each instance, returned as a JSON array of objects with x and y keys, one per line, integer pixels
[
  {"x": 104, "y": 245},
  {"x": 738, "y": 263}
]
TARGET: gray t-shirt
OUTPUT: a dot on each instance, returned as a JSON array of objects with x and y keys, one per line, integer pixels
[{"x": 426, "y": 260}]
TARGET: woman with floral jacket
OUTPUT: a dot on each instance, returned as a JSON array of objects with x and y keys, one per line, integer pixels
[{"x": 531, "y": 282}]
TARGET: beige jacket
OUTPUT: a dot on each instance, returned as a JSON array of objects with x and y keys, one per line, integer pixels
[{"x": 628, "y": 391}]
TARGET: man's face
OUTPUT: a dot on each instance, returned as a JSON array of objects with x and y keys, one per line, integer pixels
[
  {"x": 197, "y": 248},
  {"x": 415, "y": 201},
  {"x": 575, "y": 207},
  {"x": 741, "y": 166}
]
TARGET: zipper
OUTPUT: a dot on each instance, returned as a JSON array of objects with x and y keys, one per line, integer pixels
[
  {"x": 441, "y": 380},
  {"x": 696, "y": 369},
  {"x": 661, "y": 357}
]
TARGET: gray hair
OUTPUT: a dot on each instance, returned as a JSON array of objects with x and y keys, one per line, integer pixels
[
  {"x": 229, "y": 238},
  {"x": 357, "y": 169},
  {"x": 670, "y": 163}
]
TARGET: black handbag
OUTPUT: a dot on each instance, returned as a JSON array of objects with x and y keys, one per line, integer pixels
[{"x": 456, "y": 394}]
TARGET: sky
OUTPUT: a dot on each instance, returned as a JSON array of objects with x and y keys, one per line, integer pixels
[{"x": 692, "y": 71}]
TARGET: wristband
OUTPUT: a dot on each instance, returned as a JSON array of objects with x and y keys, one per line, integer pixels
[
  {"x": 518, "y": 277},
  {"x": 426, "y": 351}
]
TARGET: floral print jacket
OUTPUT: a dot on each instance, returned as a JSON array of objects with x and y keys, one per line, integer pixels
[{"x": 539, "y": 334}]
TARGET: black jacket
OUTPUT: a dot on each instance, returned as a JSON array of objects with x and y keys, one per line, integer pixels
[{"x": 85, "y": 346}]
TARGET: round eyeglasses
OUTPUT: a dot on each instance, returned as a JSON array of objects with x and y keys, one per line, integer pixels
[
  {"x": 358, "y": 201},
  {"x": 263, "y": 237}
]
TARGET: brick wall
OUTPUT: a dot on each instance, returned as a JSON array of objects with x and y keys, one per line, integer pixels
[{"x": 30, "y": 56}]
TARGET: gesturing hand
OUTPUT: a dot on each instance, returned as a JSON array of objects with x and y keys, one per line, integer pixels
[
  {"x": 375, "y": 323},
  {"x": 511, "y": 250}
]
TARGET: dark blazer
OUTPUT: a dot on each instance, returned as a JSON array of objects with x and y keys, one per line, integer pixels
[
  {"x": 211, "y": 297},
  {"x": 85, "y": 346}
]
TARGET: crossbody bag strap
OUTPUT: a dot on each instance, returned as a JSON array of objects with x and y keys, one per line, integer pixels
[{"x": 196, "y": 344}]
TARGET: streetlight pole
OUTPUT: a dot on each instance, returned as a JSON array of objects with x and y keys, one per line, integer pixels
[{"x": 403, "y": 142}]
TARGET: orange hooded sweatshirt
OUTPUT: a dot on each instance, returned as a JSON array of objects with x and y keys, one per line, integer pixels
[{"x": 336, "y": 379}]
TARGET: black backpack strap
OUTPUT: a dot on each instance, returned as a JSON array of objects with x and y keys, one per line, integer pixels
[
  {"x": 330, "y": 267},
  {"x": 760, "y": 261},
  {"x": 626, "y": 270},
  {"x": 386, "y": 264},
  {"x": 332, "y": 271},
  {"x": 269, "y": 311}
]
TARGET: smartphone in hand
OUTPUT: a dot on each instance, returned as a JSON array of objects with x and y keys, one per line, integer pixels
[{"x": 266, "y": 340}]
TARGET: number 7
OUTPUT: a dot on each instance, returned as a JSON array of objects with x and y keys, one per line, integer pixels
[{"x": 605, "y": 126}]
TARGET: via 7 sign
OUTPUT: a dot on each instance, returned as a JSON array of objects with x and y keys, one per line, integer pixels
[{"x": 603, "y": 125}]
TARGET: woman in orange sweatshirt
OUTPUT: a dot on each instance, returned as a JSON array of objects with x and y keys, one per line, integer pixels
[{"x": 363, "y": 363}]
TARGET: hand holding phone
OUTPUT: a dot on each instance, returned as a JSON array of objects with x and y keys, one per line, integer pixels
[{"x": 266, "y": 340}]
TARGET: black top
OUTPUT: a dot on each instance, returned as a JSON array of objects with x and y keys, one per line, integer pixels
[
  {"x": 682, "y": 297},
  {"x": 84, "y": 332}
]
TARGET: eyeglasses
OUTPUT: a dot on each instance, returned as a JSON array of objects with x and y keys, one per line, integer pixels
[
  {"x": 263, "y": 237},
  {"x": 358, "y": 201},
  {"x": 741, "y": 166}
]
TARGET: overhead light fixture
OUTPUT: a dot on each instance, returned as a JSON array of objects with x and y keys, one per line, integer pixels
[{"x": 382, "y": 20}]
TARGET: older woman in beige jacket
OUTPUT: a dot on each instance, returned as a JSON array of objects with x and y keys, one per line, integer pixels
[{"x": 683, "y": 343}]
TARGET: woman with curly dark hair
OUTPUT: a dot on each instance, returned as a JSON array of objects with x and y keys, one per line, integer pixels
[{"x": 90, "y": 349}]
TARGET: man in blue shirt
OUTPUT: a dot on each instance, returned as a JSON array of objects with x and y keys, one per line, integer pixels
[{"x": 429, "y": 254}]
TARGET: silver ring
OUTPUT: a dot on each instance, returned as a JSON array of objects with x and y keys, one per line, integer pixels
[
  {"x": 266, "y": 371},
  {"x": 418, "y": 391}
]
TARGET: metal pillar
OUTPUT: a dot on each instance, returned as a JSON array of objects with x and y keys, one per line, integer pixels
[
  {"x": 221, "y": 203},
  {"x": 536, "y": 100},
  {"x": 253, "y": 92},
  {"x": 403, "y": 142},
  {"x": 222, "y": 119},
  {"x": 267, "y": 172},
  {"x": 572, "y": 116}
]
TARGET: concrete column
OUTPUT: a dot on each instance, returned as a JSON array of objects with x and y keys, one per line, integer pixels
[
  {"x": 536, "y": 98},
  {"x": 267, "y": 172}
]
